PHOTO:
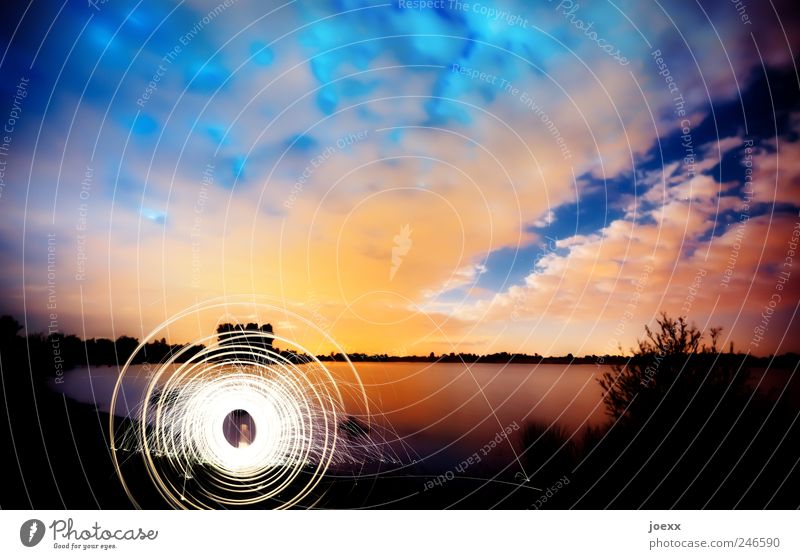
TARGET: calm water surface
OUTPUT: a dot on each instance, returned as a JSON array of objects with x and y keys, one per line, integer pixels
[{"x": 445, "y": 409}]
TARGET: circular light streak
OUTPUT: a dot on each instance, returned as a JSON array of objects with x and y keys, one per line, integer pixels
[{"x": 238, "y": 423}]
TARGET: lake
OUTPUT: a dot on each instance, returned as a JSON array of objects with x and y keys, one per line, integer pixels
[{"x": 438, "y": 412}]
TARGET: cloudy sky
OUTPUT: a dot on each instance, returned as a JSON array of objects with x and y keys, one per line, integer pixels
[{"x": 499, "y": 176}]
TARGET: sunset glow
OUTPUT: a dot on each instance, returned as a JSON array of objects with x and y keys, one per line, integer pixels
[{"x": 494, "y": 181}]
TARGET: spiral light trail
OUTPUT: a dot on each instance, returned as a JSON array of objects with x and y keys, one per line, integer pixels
[{"x": 285, "y": 414}]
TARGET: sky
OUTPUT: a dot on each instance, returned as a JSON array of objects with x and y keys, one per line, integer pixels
[{"x": 540, "y": 177}]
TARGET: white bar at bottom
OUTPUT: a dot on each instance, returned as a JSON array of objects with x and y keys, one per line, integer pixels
[{"x": 403, "y": 534}]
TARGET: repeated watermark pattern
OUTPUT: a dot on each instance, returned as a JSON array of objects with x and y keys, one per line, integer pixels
[
  {"x": 315, "y": 163},
  {"x": 82, "y": 224},
  {"x": 550, "y": 492},
  {"x": 171, "y": 57},
  {"x": 473, "y": 460},
  {"x": 197, "y": 223},
  {"x": 10, "y": 124},
  {"x": 783, "y": 275},
  {"x": 524, "y": 97},
  {"x": 402, "y": 245}
]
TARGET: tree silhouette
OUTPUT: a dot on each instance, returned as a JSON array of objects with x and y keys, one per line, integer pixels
[
  {"x": 9, "y": 328},
  {"x": 670, "y": 365},
  {"x": 258, "y": 339}
]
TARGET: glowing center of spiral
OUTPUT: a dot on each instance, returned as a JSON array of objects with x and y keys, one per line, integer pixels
[
  {"x": 217, "y": 434},
  {"x": 239, "y": 428}
]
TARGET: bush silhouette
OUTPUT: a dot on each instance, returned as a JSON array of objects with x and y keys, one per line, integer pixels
[{"x": 671, "y": 366}]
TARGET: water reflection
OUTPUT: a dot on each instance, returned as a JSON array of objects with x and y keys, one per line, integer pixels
[{"x": 438, "y": 410}]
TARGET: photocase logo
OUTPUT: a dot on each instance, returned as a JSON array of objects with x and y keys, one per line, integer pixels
[
  {"x": 31, "y": 532},
  {"x": 402, "y": 244}
]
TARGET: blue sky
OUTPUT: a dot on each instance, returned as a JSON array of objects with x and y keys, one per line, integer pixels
[{"x": 358, "y": 104}]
